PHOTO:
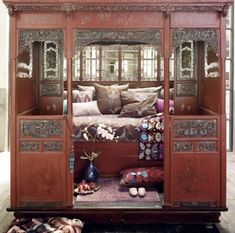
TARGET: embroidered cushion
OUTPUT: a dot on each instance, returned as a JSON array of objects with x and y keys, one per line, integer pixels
[
  {"x": 140, "y": 109},
  {"x": 129, "y": 97},
  {"x": 109, "y": 98},
  {"x": 86, "y": 109},
  {"x": 146, "y": 177}
]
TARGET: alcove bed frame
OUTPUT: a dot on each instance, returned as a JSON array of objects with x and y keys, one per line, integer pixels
[{"x": 42, "y": 165}]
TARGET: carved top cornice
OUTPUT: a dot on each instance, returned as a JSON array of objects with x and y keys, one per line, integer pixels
[
  {"x": 87, "y": 37},
  {"x": 68, "y": 8}
]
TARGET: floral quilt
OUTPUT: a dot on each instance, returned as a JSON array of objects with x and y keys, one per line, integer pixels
[{"x": 152, "y": 138}]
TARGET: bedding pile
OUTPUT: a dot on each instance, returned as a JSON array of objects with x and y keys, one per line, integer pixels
[{"x": 46, "y": 225}]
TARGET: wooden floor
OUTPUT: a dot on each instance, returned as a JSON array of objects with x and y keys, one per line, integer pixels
[{"x": 227, "y": 224}]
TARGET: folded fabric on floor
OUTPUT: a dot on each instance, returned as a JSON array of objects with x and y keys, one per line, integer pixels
[{"x": 46, "y": 225}]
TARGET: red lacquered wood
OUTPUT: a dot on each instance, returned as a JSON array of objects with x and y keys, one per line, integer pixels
[{"x": 51, "y": 171}]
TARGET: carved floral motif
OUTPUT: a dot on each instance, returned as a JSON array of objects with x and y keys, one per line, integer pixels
[
  {"x": 86, "y": 37},
  {"x": 50, "y": 90},
  {"x": 29, "y": 146},
  {"x": 27, "y": 37},
  {"x": 183, "y": 146},
  {"x": 186, "y": 90},
  {"x": 183, "y": 35},
  {"x": 206, "y": 146},
  {"x": 166, "y": 8},
  {"x": 195, "y": 128},
  {"x": 53, "y": 146},
  {"x": 41, "y": 128}
]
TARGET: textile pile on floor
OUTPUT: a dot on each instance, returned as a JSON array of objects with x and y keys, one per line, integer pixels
[
  {"x": 65, "y": 225},
  {"x": 46, "y": 225}
]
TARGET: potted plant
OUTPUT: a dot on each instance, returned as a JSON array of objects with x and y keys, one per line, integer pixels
[{"x": 102, "y": 132}]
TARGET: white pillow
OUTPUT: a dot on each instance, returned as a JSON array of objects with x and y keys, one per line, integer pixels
[{"x": 86, "y": 108}]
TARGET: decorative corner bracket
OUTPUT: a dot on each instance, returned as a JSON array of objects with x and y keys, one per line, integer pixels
[
  {"x": 225, "y": 9},
  {"x": 167, "y": 9},
  {"x": 68, "y": 9},
  {"x": 11, "y": 9}
]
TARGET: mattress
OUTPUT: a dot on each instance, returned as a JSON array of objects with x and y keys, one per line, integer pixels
[{"x": 125, "y": 128}]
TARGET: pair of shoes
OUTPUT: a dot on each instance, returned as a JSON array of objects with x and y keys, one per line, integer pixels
[{"x": 134, "y": 192}]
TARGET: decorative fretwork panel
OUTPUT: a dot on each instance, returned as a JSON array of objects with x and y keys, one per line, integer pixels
[
  {"x": 28, "y": 37},
  {"x": 195, "y": 128},
  {"x": 206, "y": 146},
  {"x": 104, "y": 55},
  {"x": 186, "y": 61},
  {"x": 51, "y": 60},
  {"x": 53, "y": 146},
  {"x": 30, "y": 146},
  {"x": 186, "y": 90},
  {"x": 208, "y": 36},
  {"x": 50, "y": 90},
  {"x": 88, "y": 37},
  {"x": 183, "y": 146},
  {"x": 41, "y": 128}
]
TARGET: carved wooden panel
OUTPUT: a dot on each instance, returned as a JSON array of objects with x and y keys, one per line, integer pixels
[
  {"x": 166, "y": 8},
  {"x": 186, "y": 90},
  {"x": 27, "y": 37},
  {"x": 51, "y": 90},
  {"x": 183, "y": 146},
  {"x": 53, "y": 146},
  {"x": 87, "y": 37},
  {"x": 30, "y": 146},
  {"x": 195, "y": 128},
  {"x": 41, "y": 128},
  {"x": 183, "y": 35},
  {"x": 207, "y": 146}
]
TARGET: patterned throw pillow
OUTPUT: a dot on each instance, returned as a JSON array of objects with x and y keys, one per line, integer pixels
[
  {"x": 145, "y": 177},
  {"x": 109, "y": 98},
  {"x": 82, "y": 96},
  {"x": 140, "y": 109},
  {"x": 129, "y": 97}
]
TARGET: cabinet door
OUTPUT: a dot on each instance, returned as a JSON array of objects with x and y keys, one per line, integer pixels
[
  {"x": 195, "y": 163},
  {"x": 41, "y": 162}
]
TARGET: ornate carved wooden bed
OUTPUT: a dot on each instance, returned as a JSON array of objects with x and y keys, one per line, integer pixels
[{"x": 58, "y": 46}]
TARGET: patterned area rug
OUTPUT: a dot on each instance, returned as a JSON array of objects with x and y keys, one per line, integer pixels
[
  {"x": 151, "y": 228},
  {"x": 110, "y": 191}
]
